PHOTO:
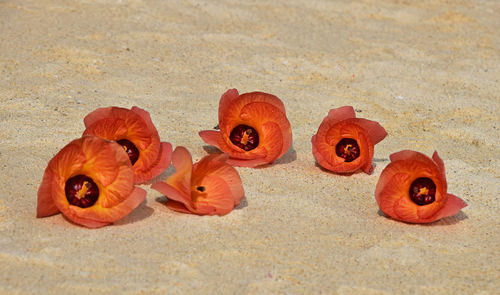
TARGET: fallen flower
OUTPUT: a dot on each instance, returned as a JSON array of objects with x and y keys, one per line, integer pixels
[
  {"x": 135, "y": 132},
  {"x": 254, "y": 129},
  {"x": 209, "y": 187},
  {"x": 91, "y": 182},
  {"x": 344, "y": 143},
  {"x": 413, "y": 188}
]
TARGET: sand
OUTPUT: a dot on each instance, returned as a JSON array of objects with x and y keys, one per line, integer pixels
[{"x": 428, "y": 71}]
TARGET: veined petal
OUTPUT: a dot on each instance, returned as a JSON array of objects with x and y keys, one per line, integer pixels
[
  {"x": 340, "y": 114},
  {"x": 372, "y": 129},
  {"x": 156, "y": 168},
  {"x": 45, "y": 204},
  {"x": 173, "y": 194},
  {"x": 176, "y": 206},
  {"x": 452, "y": 206},
  {"x": 211, "y": 137},
  {"x": 183, "y": 164},
  {"x": 218, "y": 198},
  {"x": 216, "y": 165},
  {"x": 107, "y": 215}
]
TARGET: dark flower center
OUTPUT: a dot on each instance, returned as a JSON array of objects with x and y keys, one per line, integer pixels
[
  {"x": 129, "y": 147},
  {"x": 81, "y": 191},
  {"x": 348, "y": 149},
  {"x": 244, "y": 137},
  {"x": 423, "y": 191},
  {"x": 200, "y": 188}
]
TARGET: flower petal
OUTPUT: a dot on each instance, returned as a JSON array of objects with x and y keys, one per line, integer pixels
[
  {"x": 226, "y": 102},
  {"x": 219, "y": 198},
  {"x": 183, "y": 163},
  {"x": 340, "y": 114},
  {"x": 45, "y": 203},
  {"x": 176, "y": 206},
  {"x": 216, "y": 165},
  {"x": 452, "y": 206},
  {"x": 372, "y": 129},
  {"x": 211, "y": 137},
  {"x": 156, "y": 168},
  {"x": 146, "y": 118},
  {"x": 97, "y": 115},
  {"x": 388, "y": 192},
  {"x": 102, "y": 159},
  {"x": 97, "y": 214},
  {"x": 173, "y": 194}
]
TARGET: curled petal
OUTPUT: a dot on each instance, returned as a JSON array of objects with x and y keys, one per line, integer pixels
[
  {"x": 407, "y": 180},
  {"x": 254, "y": 129},
  {"x": 217, "y": 198},
  {"x": 173, "y": 194},
  {"x": 452, "y": 206},
  {"x": 135, "y": 131},
  {"x": 45, "y": 205},
  {"x": 209, "y": 187},
  {"x": 183, "y": 164},
  {"x": 340, "y": 114},
  {"x": 109, "y": 171},
  {"x": 176, "y": 206},
  {"x": 216, "y": 166}
]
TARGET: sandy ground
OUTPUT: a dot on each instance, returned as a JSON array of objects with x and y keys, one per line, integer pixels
[{"x": 428, "y": 71}]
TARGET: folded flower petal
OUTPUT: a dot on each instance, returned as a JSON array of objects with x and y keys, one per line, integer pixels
[
  {"x": 344, "y": 143},
  {"x": 413, "y": 188},
  {"x": 209, "y": 187},
  {"x": 134, "y": 130},
  {"x": 254, "y": 129},
  {"x": 90, "y": 181}
]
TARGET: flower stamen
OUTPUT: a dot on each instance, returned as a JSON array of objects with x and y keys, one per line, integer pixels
[
  {"x": 423, "y": 191},
  {"x": 81, "y": 191},
  {"x": 130, "y": 149},
  {"x": 348, "y": 149},
  {"x": 244, "y": 137}
]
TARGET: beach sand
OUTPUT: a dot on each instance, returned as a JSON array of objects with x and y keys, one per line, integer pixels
[{"x": 428, "y": 71}]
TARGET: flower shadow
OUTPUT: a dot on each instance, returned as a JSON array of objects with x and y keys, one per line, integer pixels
[
  {"x": 139, "y": 213},
  {"x": 288, "y": 157},
  {"x": 333, "y": 173},
  {"x": 460, "y": 216}
]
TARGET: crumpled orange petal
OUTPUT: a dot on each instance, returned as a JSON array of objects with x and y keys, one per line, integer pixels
[
  {"x": 265, "y": 114},
  {"x": 340, "y": 124},
  {"x": 393, "y": 188},
  {"x": 134, "y": 125},
  {"x": 209, "y": 187},
  {"x": 107, "y": 165}
]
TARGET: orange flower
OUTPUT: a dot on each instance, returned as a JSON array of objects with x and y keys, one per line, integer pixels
[
  {"x": 135, "y": 132},
  {"x": 253, "y": 126},
  {"x": 344, "y": 143},
  {"x": 412, "y": 188},
  {"x": 91, "y": 182},
  {"x": 209, "y": 187}
]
